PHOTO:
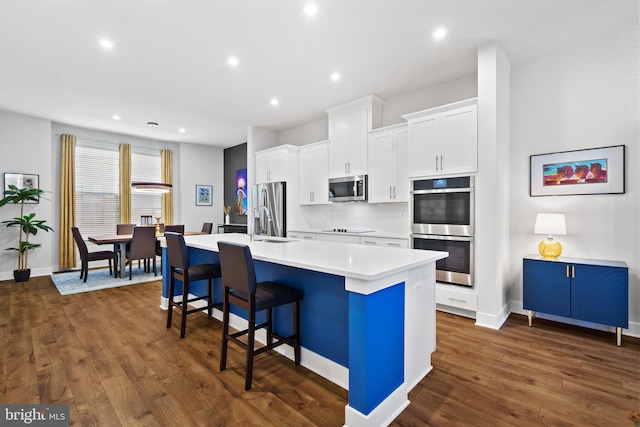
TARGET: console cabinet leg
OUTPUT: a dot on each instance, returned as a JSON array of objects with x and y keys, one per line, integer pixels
[
  {"x": 532, "y": 314},
  {"x": 618, "y": 336}
]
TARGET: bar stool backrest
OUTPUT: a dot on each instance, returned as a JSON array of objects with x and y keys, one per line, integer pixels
[
  {"x": 177, "y": 251},
  {"x": 237, "y": 267}
]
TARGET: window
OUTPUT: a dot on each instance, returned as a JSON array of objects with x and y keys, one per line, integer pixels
[
  {"x": 146, "y": 167},
  {"x": 97, "y": 195}
]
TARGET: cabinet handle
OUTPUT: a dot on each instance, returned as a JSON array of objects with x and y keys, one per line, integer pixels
[
  {"x": 573, "y": 271},
  {"x": 441, "y": 163},
  {"x": 345, "y": 167},
  {"x": 567, "y": 273},
  {"x": 458, "y": 300},
  {"x": 307, "y": 237},
  {"x": 390, "y": 192},
  {"x": 369, "y": 242},
  {"x": 436, "y": 162},
  {"x": 349, "y": 163},
  {"x": 397, "y": 245},
  {"x": 394, "y": 191}
]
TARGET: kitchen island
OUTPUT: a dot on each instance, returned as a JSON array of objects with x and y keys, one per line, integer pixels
[{"x": 367, "y": 317}]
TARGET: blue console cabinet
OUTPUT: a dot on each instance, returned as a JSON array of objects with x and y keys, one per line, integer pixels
[{"x": 583, "y": 289}]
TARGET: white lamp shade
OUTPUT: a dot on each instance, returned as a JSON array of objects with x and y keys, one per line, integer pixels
[{"x": 550, "y": 223}]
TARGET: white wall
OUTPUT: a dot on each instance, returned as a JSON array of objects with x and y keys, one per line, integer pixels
[
  {"x": 308, "y": 133},
  {"x": 25, "y": 144},
  {"x": 583, "y": 97},
  {"x": 199, "y": 165}
]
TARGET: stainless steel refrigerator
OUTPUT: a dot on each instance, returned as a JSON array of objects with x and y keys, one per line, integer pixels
[{"x": 269, "y": 209}]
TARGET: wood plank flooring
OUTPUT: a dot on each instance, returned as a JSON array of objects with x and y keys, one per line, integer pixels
[{"x": 108, "y": 354}]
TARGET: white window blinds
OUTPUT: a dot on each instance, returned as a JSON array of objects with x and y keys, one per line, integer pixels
[
  {"x": 97, "y": 196},
  {"x": 146, "y": 167}
]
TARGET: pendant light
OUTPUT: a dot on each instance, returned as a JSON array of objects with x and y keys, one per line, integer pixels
[{"x": 151, "y": 187}]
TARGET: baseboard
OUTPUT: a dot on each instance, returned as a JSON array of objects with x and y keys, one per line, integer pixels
[
  {"x": 493, "y": 321},
  {"x": 35, "y": 272},
  {"x": 632, "y": 331}
]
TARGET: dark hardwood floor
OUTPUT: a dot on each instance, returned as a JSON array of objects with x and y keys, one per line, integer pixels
[{"x": 108, "y": 354}]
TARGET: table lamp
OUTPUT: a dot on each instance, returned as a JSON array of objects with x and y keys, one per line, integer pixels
[{"x": 550, "y": 223}]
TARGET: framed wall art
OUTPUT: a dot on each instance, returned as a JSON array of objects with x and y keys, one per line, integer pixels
[
  {"x": 241, "y": 192},
  {"x": 578, "y": 172},
  {"x": 21, "y": 180},
  {"x": 204, "y": 195}
]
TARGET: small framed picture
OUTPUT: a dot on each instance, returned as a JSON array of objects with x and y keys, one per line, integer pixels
[
  {"x": 578, "y": 172},
  {"x": 21, "y": 180},
  {"x": 204, "y": 195}
]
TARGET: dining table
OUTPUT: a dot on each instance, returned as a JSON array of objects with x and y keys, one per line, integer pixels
[{"x": 122, "y": 240}]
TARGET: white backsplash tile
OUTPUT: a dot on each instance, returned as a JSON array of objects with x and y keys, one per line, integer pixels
[{"x": 390, "y": 218}]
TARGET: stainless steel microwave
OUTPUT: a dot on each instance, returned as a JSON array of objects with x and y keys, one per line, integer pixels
[{"x": 348, "y": 189}]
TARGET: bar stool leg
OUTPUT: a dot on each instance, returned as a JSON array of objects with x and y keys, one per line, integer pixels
[
  {"x": 225, "y": 329},
  {"x": 185, "y": 296},
  {"x": 250, "y": 345},
  {"x": 269, "y": 326},
  {"x": 171, "y": 291},
  {"x": 210, "y": 297},
  {"x": 296, "y": 332}
]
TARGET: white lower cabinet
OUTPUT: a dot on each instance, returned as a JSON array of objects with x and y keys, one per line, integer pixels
[
  {"x": 302, "y": 235},
  {"x": 384, "y": 241},
  {"x": 455, "y": 296},
  {"x": 342, "y": 238}
]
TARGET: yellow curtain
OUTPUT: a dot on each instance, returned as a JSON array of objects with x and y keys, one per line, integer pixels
[
  {"x": 67, "y": 201},
  {"x": 125, "y": 183},
  {"x": 167, "y": 178}
]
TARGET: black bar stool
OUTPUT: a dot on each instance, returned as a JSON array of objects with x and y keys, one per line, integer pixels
[
  {"x": 242, "y": 289},
  {"x": 179, "y": 268}
]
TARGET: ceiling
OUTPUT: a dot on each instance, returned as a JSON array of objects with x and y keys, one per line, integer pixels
[{"x": 169, "y": 59}]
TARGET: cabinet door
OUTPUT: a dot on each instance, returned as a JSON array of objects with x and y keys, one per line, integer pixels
[
  {"x": 381, "y": 168},
  {"x": 401, "y": 187},
  {"x": 459, "y": 133},
  {"x": 546, "y": 287},
  {"x": 314, "y": 177},
  {"x": 338, "y": 148},
  {"x": 263, "y": 167},
  {"x": 279, "y": 165},
  {"x": 600, "y": 294},
  {"x": 358, "y": 141},
  {"x": 424, "y": 146}
]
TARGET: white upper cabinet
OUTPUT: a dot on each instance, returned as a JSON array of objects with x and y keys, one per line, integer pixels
[
  {"x": 275, "y": 164},
  {"x": 444, "y": 140},
  {"x": 349, "y": 127},
  {"x": 314, "y": 173},
  {"x": 389, "y": 164}
]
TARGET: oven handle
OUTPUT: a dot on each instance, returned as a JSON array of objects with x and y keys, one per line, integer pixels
[
  {"x": 440, "y": 237},
  {"x": 443, "y": 190}
]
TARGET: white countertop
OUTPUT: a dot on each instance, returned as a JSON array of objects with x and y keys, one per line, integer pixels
[{"x": 343, "y": 259}]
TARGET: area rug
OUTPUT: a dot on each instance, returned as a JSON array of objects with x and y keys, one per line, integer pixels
[{"x": 70, "y": 283}]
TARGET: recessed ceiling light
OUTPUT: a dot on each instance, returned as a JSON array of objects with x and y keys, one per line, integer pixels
[
  {"x": 106, "y": 43},
  {"x": 233, "y": 61},
  {"x": 274, "y": 102},
  {"x": 440, "y": 33},
  {"x": 335, "y": 77},
  {"x": 182, "y": 130},
  {"x": 310, "y": 9},
  {"x": 116, "y": 117}
]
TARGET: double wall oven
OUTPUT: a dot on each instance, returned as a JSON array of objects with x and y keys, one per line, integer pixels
[{"x": 443, "y": 220}]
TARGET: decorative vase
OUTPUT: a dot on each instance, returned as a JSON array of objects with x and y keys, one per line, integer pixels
[
  {"x": 22, "y": 275},
  {"x": 227, "y": 219}
]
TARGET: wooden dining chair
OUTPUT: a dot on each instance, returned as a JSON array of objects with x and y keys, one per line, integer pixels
[
  {"x": 143, "y": 247},
  {"x": 87, "y": 257},
  {"x": 174, "y": 228},
  {"x": 207, "y": 227}
]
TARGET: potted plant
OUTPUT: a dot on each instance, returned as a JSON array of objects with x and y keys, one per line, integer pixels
[{"x": 27, "y": 225}]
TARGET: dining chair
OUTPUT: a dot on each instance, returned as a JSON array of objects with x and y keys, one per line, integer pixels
[
  {"x": 123, "y": 229},
  {"x": 143, "y": 247},
  {"x": 240, "y": 288},
  {"x": 207, "y": 227},
  {"x": 182, "y": 270},
  {"x": 174, "y": 228},
  {"x": 88, "y": 257}
]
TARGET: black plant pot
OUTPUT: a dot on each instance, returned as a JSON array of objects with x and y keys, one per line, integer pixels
[{"x": 22, "y": 275}]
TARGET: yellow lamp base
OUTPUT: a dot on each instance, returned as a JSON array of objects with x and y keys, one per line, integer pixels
[{"x": 550, "y": 248}]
